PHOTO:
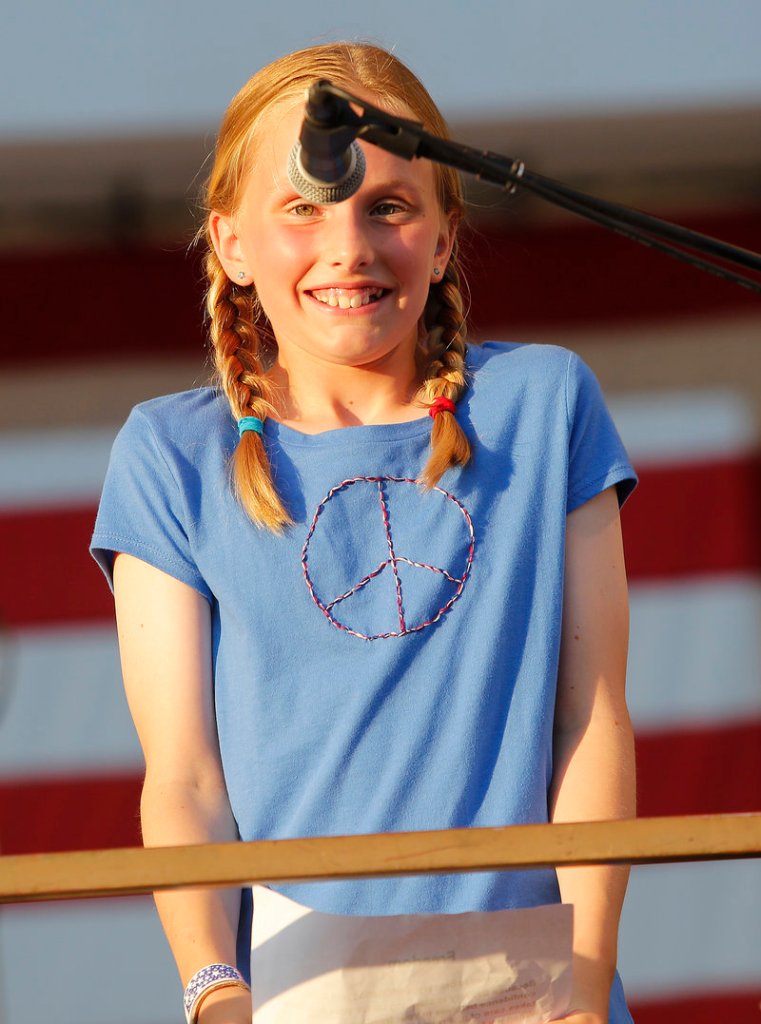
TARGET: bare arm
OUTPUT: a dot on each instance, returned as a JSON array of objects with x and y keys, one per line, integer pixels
[
  {"x": 165, "y": 645},
  {"x": 593, "y": 776}
]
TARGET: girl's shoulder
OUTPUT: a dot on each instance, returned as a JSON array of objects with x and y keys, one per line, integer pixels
[
  {"x": 539, "y": 369},
  {"x": 202, "y": 403},
  {"x": 539, "y": 378},
  {"x": 518, "y": 357},
  {"x": 182, "y": 418}
]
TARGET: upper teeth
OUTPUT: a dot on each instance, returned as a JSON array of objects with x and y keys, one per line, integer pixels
[{"x": 347, "y": 298}]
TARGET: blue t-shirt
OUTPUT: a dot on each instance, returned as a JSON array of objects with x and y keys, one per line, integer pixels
[{"x": 389, "y": 663}]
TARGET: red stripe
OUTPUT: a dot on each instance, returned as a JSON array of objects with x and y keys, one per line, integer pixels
[
  {"x": 570, "y": 273},
  {"x": 119, "y": 303},
  {"x": 48, "y": 575},
  {"x": 682, "y": 521},
  {"x": 697, "y": 518},
  {"x": 713, "y": 770},
  {"x": 679, "y": 772},
  {"x": 708, "y": 1008},
  {"x": 49, "y": 815},
  {"x": 522, "y": 276}
]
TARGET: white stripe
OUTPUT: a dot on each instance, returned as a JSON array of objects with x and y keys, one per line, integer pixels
[
  {"x": 695, "y": 652},
  {"x": 93, "y": 962},
  {"x": 684, "y": 426},
  {"x": 53, "y": 467},
  {"x": 691, "y": 927},
  {"x": 62, "y": 705},
  {"x": 45, "y": 467},
  {"x": 685, "y": 928},
  {"x": 695, "y": 659}
]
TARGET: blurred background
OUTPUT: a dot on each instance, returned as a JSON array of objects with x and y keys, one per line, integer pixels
[{"x": 107, "y": 118}]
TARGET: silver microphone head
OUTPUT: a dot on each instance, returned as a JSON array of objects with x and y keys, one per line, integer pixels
[{"x": 316, "y": 191}]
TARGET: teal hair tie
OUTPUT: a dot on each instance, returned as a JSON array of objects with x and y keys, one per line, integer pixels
[{"x": 250, "y": 423}]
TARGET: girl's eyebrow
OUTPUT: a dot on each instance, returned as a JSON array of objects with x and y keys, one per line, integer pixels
[
  {"x": 396, "y": 184},
  {"x": 284, "y": 191}
]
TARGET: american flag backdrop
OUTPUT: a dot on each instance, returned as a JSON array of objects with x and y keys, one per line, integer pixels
[{"x": 680, "y": 359}]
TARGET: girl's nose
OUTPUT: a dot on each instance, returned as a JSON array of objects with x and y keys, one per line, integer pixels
[{"x": 346, "y": 237}]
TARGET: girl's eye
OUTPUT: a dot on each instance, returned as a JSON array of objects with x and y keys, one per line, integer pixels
[
  {"x": 303, "y": 210},
  {"x": 387, "y": 209}
]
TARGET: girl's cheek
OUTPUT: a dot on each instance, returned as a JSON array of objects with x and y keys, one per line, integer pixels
[{"x": 287, "y": 245}]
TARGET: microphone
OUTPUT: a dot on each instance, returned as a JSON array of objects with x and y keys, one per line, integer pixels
[{"x": 327, "y": 164}]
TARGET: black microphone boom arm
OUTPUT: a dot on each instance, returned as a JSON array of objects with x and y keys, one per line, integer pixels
[{"x": 409, "y": 140}]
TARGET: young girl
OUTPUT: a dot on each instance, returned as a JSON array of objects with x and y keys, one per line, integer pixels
[{"x": 372, "y": 581}]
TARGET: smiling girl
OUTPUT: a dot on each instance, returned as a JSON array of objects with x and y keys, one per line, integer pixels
[{"x": 373, "y": 580}]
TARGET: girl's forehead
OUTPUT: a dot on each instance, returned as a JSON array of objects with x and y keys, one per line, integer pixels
[
  {"x": 273, "y": 136},
  {"x": 276, "y": 133},
  {"x": 281, "y": 121},
  {"x": 278, "y": 127}
]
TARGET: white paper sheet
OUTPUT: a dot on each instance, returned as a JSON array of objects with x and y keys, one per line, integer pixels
[{"x": 511, "y": 966}]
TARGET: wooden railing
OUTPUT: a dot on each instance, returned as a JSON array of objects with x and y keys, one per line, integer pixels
[{"x": 57, "y": 876}]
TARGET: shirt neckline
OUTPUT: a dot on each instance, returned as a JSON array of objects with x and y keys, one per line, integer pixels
[{"x": 374, "y": 433}]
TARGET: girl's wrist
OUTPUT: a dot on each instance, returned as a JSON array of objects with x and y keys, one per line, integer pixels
[
  {"x": 231, "y": 1005},
  {"x": 591, "y": 988}
]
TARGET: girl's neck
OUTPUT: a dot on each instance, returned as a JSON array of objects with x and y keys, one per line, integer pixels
[{"x": 326, "y": 396}]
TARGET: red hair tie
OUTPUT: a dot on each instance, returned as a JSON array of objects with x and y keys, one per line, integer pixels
[{"x": 441, "y": 404}]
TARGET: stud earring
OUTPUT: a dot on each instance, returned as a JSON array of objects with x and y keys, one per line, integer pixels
[
  {"x": 241, "y": 275},
  {"x": 436, "y": 272}
]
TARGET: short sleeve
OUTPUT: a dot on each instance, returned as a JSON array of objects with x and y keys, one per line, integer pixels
[
  {"x": 597, "y": 458},
  {"x": 143, "y": 512}
]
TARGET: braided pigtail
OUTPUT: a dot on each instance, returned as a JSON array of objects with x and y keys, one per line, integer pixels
[
  {"x": 241, "y": 333},
  {"x": 444, "y": 367},
  {"x": 233, "y": 312}
]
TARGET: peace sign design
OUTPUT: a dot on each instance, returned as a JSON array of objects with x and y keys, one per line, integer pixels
[{"x": 385, "y": 558}]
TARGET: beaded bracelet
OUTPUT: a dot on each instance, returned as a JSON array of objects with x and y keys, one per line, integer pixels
[{"x": 209, "y": 978}]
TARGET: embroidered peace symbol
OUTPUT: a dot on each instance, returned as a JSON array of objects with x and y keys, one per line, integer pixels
[{"x": 357, "y": 556}]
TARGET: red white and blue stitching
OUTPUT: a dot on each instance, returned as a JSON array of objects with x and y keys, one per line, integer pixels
[{"x": 393, "y": 561}]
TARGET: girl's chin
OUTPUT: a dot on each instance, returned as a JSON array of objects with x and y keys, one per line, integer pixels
[{"x": 346, "y": 349}]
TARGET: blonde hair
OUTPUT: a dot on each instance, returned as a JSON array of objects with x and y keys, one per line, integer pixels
[{"x": 241, "y": 334}]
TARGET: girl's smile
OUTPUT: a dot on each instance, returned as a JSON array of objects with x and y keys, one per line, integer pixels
[{"x": 356, "y": 297}]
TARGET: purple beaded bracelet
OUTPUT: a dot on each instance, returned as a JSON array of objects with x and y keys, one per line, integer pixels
[{"x": 209, "y": 978}]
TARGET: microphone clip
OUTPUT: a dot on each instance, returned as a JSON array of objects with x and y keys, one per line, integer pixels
[{"x": 329, "y": 110}]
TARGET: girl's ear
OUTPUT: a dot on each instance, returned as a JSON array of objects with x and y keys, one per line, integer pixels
[
  {"x": 227, "y": 247},
  {"x": 449, "y": 224}
]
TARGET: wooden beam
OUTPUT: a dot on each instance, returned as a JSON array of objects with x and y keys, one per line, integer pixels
[{"x": 127, "y": 871}]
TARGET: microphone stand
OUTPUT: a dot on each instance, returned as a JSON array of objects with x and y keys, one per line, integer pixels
[{"x": 408, "y": 139}]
